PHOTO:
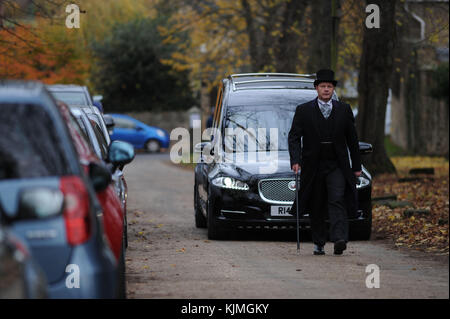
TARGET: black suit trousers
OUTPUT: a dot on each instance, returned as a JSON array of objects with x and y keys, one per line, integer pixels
[{"x": 328, "y": 191}]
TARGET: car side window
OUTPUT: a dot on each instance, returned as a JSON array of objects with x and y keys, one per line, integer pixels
[
  {"x": 124, "y": 123},
  {"x": 101, "y": 139},
  {"x": 79, "y": 126}
]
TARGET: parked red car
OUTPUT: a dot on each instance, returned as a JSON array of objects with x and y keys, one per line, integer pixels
[{"x": 112, "y": 208}]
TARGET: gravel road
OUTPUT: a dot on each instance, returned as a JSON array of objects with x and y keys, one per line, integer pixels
[{"x": 168, "y": 257}]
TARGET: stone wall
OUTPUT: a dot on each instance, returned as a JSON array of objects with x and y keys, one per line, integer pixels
[{"x": 419, "y": 122}]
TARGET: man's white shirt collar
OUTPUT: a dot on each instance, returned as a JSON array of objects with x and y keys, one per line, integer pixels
[{"x": 322, "y": 102}]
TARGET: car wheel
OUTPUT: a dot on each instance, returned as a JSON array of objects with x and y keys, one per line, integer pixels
[
  {"x": 200, "y": 220},
  {"x": 152, "y": 146},
  {"x": 213, "y": 228},
  {"x": 362, "y": 231}
]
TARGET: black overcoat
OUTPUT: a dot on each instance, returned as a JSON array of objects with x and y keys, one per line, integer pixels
[{"x": 345, "y": 140}]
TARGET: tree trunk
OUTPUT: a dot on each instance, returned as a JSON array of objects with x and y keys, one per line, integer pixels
[
  {"x": 373, "y": 85},
  {"x": 320, "y": 36},
  {"x": 252, "y": 35},
  {"x": 288, "y": 43},
  {"x": 335, "y": 19},
  {"x": 268, "y": 40}
]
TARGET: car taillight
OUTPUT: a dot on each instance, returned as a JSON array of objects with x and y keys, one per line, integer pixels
[{"x": 76, "y": 210}]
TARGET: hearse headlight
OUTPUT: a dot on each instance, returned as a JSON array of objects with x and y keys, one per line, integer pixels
[
  {"x": 230, "y": 183},
  {"x": 362, "y": 182}
]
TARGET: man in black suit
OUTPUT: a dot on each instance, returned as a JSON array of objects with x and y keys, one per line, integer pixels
[{"x": 322, "y": 137}]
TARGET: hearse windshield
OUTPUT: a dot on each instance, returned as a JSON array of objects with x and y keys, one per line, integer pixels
[{"x": 258, "y": 128}]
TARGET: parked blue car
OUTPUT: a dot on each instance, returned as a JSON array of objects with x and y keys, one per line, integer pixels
[
  {"x": 48, "y": 200},
  {"x": 140, "y": 135}
]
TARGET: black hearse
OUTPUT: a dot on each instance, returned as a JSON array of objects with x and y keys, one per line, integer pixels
[{"x": 244, "y": 179}]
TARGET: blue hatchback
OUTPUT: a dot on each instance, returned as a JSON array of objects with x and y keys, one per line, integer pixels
[{"x": 140, "y": 135}]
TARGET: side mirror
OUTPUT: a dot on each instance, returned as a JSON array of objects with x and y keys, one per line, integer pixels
[
  {"x": 139, "y": 129},
  {"x": 365, "y": 148},
  {"x": 40, "y": 202},
  {"x": 100, "y": 176},
  {"x": 120, "y": 153}
]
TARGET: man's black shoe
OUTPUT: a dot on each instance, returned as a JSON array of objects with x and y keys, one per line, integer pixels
[
  {"x": 318, "y": 250},
  {"x": 339, "y": 247}
]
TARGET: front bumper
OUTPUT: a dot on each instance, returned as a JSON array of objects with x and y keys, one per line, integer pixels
[{"x": 234, "y": 208}]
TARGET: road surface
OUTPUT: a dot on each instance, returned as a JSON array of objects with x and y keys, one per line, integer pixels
[{"x": 168, "y": 257}]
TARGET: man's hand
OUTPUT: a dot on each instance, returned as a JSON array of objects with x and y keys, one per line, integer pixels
[
  {"x": 296, "y": 168},
  {"x": 357, "y": 174}
]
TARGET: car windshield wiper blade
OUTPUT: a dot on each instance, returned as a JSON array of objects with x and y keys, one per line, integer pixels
[{"x": 246, "y": 130}]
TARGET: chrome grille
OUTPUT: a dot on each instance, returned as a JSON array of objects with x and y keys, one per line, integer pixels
[{"x": 276, "y": 191}]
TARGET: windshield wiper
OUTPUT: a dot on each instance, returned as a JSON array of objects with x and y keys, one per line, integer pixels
[{"x": 246, "y": 130}]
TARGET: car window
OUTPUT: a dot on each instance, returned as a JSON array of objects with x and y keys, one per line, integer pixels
[
  {"x": 82, "y": 127},
  {"x": 89, "y": 130},
  {"x": 101, "y": 139},
  {"x": 124, "y": 123},
  {"x": 246, "y": 121},
  {"x": 71, "y": 98},
  {"x": 98, "y": 118},
  {"x": 82, "y": 132},
  {"x": 29, "y": 143}
]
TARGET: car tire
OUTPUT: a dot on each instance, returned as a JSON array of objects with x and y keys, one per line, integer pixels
[
  {"x": 200, "y": 220},
  {"x": 363, "y": 230},
  {"x": 213, "y": 228},
  {"x": 153, "y": 146}
]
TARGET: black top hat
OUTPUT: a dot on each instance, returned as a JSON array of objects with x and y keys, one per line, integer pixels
[{"x": 325, "y": 75}]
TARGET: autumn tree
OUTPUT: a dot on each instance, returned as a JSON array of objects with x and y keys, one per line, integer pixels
[
  {"x": 239, "y": 36},
  {"x": 130, "y": 75},
  {"x": 36, "y": 45},
  {"x": 375, "y": 72}
]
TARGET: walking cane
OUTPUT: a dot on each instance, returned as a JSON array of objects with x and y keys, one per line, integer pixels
[{"x": 297, "y": 187}]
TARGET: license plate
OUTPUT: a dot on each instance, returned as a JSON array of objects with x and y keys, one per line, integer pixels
[{"x": 280, "y": 211}]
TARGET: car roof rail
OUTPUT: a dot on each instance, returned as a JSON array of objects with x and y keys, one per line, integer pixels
[
  {"x": 284, "y": 80},
  {"x": 313, "y": 75}
]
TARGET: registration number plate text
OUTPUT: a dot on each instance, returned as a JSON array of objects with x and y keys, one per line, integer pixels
[{"x": 280, "y": 211}]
